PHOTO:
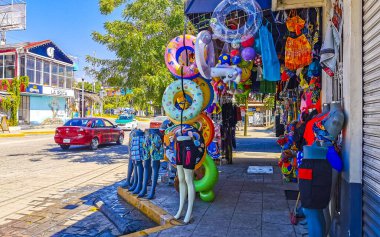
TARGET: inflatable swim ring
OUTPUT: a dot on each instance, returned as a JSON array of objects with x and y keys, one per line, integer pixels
[
  {"x": 173, "y": 91},
  {"x": 175, "y": 57},
  {"x": 206, "y": 126},
  {"x": 206, "y": 185},
  {"x": 221, "y": 23},
  {"x": 204, "y": 53},
  {"x": 208, "y": 92}
]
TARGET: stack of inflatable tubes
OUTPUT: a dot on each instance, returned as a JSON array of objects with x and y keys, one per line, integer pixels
[{"x": 201, "y": 95}]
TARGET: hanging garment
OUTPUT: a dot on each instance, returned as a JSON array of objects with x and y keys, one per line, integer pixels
[
  {"x": 295, "y": 24},
  {"x": 271, "y": 64},
  {"x": 267, "y": 87},
  {"x": 331, "y": 43},
  {"x": 298, "y": 52}
]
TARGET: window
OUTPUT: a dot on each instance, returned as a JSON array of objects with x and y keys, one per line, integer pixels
[
  {"x": 7, "y": 64},
  {"x": 99, "y": 123},
  {"x": 54, "y": 74},
  {"x": 22, "y": 66},
  {"x": 69, "y": 77},
  {"x": 77, "y": 122},
  {"x": 30, "y": 69},
  {"x": 46, "y": 74},
  {"x": 38, "y": 71},
  {"x": 108, "y": 123},
  {"x": 1, "y": 66},
  {"x": 61, "y": 76}
]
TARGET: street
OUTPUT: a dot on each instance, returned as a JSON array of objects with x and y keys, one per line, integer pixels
[{"x": 36, "y": 173}]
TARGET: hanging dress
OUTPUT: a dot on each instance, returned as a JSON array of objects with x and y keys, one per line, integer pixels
[{"x": 298, "y": 51}]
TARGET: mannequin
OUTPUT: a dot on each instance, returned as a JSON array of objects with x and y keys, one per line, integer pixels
[
  {"x": 136, "y": 153},
  {"x": 315, "y": 172},
  {"x": 190, "y": 149},
  {"x": 146, "y": 161},
  {"x": 157, "y": 154},
  {"x": 130, "y": 171},
  {"x": 186, "y": 182},
  {"x": 130, "y": 163},
  {"x": 334, "y": 128}
]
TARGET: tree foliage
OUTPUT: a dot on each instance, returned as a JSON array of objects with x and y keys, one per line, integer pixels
[
  {"x": 88, "y": 86},
  {"x": 12, "y": 101},
  {"x": 269, "y": 102},
  {"x": 138, "y": 41}
]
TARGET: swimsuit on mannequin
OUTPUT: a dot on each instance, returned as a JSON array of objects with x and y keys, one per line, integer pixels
[
  {"x": 157, "y": 154},
  {"x": 315, "y": 173},
  {"x": 147, "y": 162},
  {"x": 136, "y": 155}
]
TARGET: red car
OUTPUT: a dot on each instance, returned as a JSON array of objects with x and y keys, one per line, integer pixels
[
  {"x": 157, "y": 121},
  {"x": 88, "y": 131}
]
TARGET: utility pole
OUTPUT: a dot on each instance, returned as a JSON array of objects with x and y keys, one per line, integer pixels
[
  {"x": 83, "y": 98},
  {"x": 246, "y": 118}
]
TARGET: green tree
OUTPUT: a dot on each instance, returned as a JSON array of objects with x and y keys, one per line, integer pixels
[
  {"x": 138, "y": 41},
  {"x": 269, "y": 102},
  {"x": 12, "y": 101}
]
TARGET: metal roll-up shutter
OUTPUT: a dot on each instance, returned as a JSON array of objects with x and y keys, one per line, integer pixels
[{"x": 371, "y": 118}]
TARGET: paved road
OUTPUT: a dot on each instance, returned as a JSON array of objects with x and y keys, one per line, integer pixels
[{"x": 34, "y": 169}]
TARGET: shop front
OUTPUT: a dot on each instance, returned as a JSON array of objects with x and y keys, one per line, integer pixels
[
  {"x": 316, "y": 52},
  {"x": 50, "y": 72}
]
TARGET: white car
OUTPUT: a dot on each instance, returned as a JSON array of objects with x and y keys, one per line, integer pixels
[{"x": 126, "y": 122}]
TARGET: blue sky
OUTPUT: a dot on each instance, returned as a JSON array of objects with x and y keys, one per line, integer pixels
[{"x": 69, "y": 24}]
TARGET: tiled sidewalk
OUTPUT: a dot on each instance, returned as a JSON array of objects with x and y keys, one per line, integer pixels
[{"x": 245, "y": 204}]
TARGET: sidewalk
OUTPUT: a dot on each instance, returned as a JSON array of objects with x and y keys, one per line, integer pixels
[{"x": 245, "y": 204}]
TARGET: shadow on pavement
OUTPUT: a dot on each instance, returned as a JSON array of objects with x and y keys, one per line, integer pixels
[{"x": 105, "y": 154}]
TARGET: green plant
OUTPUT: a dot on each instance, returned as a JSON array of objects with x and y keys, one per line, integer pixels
[
  {"x": 12, "y": 101},
  {"x": 269, "y": 102},
  {"x": 138, "y": 41}
]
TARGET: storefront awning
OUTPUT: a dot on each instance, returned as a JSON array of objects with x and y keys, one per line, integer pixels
[{"x": 208, "y": 6}]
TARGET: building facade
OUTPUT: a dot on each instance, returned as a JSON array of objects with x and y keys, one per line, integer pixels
[{"x": 47, "y": 98}]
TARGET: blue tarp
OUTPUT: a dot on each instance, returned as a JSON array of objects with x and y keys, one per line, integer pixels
[{"x": 207, "y": 6}]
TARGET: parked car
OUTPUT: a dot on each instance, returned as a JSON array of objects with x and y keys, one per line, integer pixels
[
  {"x": 88, "y": 131},
  {"x": 126, "y": 122},
  {"x": 157, "y": 121}
]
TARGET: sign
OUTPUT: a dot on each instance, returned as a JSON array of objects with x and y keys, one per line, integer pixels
[
  {"x": 57, "y": 92},
  {"x": 35, "y": 89},
  {"x": 50, "y": 52}
]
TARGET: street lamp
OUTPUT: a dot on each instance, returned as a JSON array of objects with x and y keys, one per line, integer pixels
[{"x": 83, "y": 98}]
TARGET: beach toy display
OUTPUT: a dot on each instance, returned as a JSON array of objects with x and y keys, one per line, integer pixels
[
  {"x": 175, "y": 57},
  {"x": 208, "y": 92},
  {"x": 173, "y": 91},
  {"x": 231, "y": 31}
]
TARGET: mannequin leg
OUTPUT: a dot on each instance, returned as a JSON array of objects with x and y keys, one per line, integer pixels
[
  {"x": 139, "y": 177},
  {"x": 329, "y": 211},
  {"x": 189, "y": 177},
  {"x": 147, "y": 174},
  {"x": 315, "y": 222},
  {"x": 129, "y": 174},
  {"x": 156, "y": 167},
  {"x": 182, "y": 190},
  {"x": 134, "y": 177}
]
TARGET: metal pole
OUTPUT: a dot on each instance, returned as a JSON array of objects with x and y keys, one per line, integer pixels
[
  {"x": 246, "y": 117},
  {"x": 83, "y": 98}
]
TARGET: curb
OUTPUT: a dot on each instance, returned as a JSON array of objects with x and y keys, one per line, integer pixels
[
  {"x": 153, "y": 212},
  {"x": 38, "y": 132},
  {"x": 12, "y": 135}
]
